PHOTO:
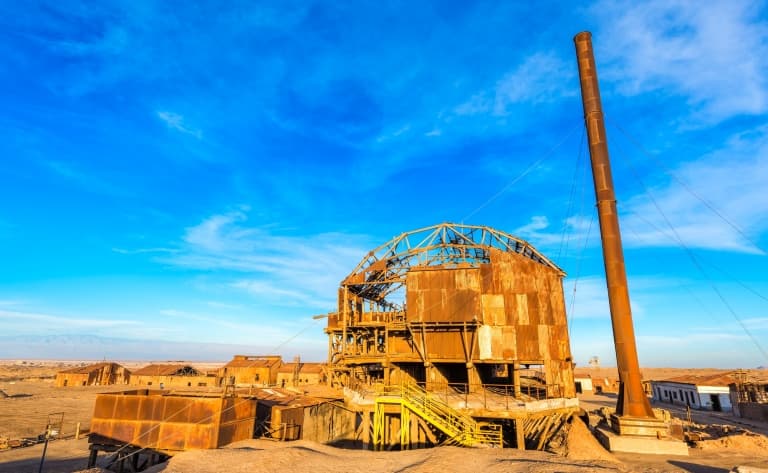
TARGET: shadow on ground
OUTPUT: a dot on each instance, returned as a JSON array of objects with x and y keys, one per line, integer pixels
[{"x": 696, "y": 468}]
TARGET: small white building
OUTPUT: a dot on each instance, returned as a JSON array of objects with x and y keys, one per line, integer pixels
[
  {"x": 583, "y": 384},
  {"x": 699, "y": 392}
]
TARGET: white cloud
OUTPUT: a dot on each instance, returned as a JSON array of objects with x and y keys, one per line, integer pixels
[
  {"x": 124, "y": 251},
  {"x": 279, "y": 269},
  {"x": 731, "y": 181},
  {"x": 714, "y": 54},
  {"x": 277, "y": 293},
  {"x": 243, "y": 330},
  {"x": 395, "y": 133},
  {"x": 541, "y": 77},
  {"x": 717, "y": 202},
  {"x": 177, "y": 122},
  {"x": 586, "y": 297},
  {"x": 272, "y": 331},
  {"x": 11, "y": 302},
  {"x": 688, "y": 339},
  {"x": 84, "y": 180},
  {"x": 538, "y": 232},
  {"x": 756, "y": 323},
  {"x": 224, "y": 305},
  {"x": 33, "y": 322}
]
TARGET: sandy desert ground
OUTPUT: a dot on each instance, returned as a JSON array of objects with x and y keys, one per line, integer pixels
[{"x": 32, "y": 398}]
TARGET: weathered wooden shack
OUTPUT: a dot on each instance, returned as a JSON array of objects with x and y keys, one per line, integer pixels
[{"x": 97, "y": 374}]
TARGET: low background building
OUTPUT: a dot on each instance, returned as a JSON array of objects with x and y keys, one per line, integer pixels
[
  {"x": 698, "y": 392},
  {"x": 298, "y": 374},
  {"x": 248, "y": 370},
  {"x": 98, "y": 374},
  {"x": 171, "y": 375},
  {"x": 749, "y": 394},
  {"x": 605, "y": 385},
  {"x": 583, "y": 384}
]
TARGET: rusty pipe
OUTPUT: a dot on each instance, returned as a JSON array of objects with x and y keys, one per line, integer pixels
[{"x": 632, "y": 400}]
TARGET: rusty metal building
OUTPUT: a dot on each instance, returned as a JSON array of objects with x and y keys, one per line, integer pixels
[
  {"x": 250, "y": 370},
  {"x": 300, "y": 374},
  {"x": 476, "y": 307},
  {"x": 171, "y": 375},
  {"x": 142, "y": 427},
  {"x": 283, "y": 414},
  {"x": 460, "y": 310},
  {"x": 97, "y": 374}
]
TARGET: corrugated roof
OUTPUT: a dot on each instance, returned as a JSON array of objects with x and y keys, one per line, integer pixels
[
  {"x": 306, "y": 368},
  {"x": 167, "y": 370},
  {"x": 89, "y": 368},
  {"x": 703, "y": 380},
  {"x": 284, "y": 397},
  {"x": 252, "y": 362}
]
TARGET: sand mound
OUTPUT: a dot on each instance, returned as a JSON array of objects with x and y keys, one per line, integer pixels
[
  {"x": 300, "y": 456},
  {"x": 745, "y": 441},
  {"x": 580, "y": 444}
]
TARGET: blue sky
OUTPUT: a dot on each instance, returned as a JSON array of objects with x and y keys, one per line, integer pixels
[{"x": 206, "y": 174}]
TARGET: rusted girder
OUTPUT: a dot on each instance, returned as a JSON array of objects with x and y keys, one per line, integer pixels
[{"x": 632, "y": 400}]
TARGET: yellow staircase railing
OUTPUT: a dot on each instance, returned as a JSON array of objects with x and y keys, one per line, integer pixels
[{"x": 460, "y": 428}]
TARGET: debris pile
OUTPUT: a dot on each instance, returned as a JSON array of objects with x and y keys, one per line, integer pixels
[{"x": 714, "y": 437}]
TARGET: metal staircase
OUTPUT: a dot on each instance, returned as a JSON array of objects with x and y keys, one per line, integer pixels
[{"x": 461, "y": 429}]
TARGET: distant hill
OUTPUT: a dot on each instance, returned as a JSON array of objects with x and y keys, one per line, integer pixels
[{"x": 92, "y": 347}]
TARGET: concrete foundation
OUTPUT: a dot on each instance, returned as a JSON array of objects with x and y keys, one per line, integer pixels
[
  {"x": 639, "y": 444},
  {"x": 639, "y": 426}
]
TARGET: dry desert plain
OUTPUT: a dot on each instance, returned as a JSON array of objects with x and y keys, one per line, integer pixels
[{"x": 28, "y": 397}]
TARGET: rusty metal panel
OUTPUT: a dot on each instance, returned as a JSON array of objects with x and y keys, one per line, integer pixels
[
  {"x": 484, "y": 343},
  {"x": 492, "y": 309},
  {"x": 171, "y": 422},
  {"x": 467, "y": 279},
  {"x": 543, "y": 339},
  {"x": 533, "y": 308},
  {"x": 487, "y": 281},
  {"x": 558, "y": 342},
  {"x": 286, "y": 422},
  {"x": 497, "y": 343},
  {"x": 521, "y": 304},
  {"x": 508, "y": 343},
  {"x": 446, "y": 345},
  {"x": 528, "y": 342},
  {"x": 462, "y": 306},
  {"x": 557, "y": 301},
  {"x": 545, "y": 311}
]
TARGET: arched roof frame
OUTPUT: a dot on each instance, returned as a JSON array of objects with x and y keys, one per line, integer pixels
[{"x": 382, "y": 271}]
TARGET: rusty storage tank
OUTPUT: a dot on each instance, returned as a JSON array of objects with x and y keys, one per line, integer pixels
[{"x": 168, "y": 422}]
